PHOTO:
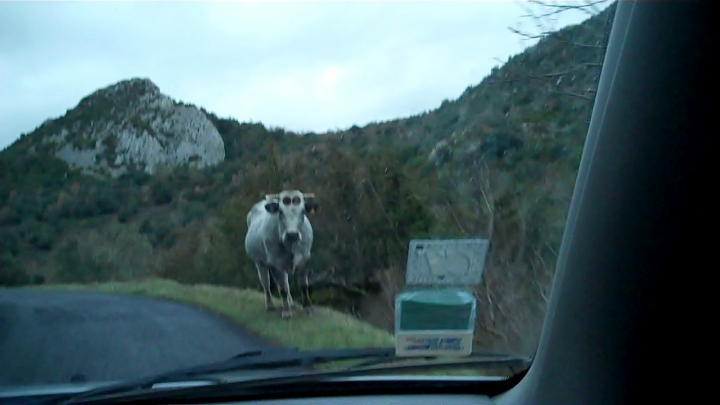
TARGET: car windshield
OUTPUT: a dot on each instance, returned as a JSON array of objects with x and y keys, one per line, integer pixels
[{"x": 182, "y": 183}]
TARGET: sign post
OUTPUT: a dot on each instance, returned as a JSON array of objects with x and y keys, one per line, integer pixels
[{"x": 435, "y": 315}]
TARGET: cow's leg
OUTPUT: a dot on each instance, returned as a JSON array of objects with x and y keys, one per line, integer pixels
[
  {"x": 282, "y": 278},
  {"x": 264, "y": 275},
  {"x": 304, "y": 284},
  {"x": 287, "y": 297}
]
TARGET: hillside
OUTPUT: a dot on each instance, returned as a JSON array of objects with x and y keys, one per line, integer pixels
[
  {"x": 498, "y": 162},
  {"x": 130, "y": 124}
]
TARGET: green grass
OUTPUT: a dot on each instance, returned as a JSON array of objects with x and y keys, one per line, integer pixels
[{"x": 324, "y": 329}]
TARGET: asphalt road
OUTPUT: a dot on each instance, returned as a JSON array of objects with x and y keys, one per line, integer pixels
[{"x": 58, "y": 337}]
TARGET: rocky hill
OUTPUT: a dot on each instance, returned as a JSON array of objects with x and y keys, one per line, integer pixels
[{"x": 132, "y": 123}]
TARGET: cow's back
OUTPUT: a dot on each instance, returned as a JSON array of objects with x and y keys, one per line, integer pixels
[
  {"x": 257, "y": 212},
  {"x": 256, "y": 222}
]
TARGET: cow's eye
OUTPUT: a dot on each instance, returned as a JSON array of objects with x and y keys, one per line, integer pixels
[
  {"x": 296, "y": 200},
  {"x": 286, "y": 200}
]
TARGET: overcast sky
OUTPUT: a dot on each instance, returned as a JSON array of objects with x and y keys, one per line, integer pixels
[{"x": 302, "y": 66}]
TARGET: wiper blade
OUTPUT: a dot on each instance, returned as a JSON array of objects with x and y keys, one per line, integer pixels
[
  {"x": 287, "y": 358},
  {"x": 250, "y": 360},
  {"x": 477, "y": 357}
]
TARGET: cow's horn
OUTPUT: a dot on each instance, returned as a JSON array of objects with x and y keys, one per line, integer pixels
[
  {"x": 309, "y": 195},
  {"x": 271, "y": 196}
]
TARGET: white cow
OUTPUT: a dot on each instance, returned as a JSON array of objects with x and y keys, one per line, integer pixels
[{"x": 279, "y": 241}]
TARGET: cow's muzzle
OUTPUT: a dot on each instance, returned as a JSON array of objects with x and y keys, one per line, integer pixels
[{"x": 292, "y": 237}]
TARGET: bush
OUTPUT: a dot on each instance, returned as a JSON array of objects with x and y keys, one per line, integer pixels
[
  {"x": 108, "y": 201},
  {"x": 146, "y": 227},
  {"x": 159, "y": 232},
  {"x": 9, "y": 243},
  {"x": 127, "y": 211},
  {"x": 27, "y": 207},
  {"x": 161, "y": 192},
  {"x": 11, "y": 272},
  {"x": 75, "y": 266},
  {"x": 9, "y": 216},
  {"x": 134, "y": 176},
  {"x": 168, "y": 240},
  {"x": 86, "y": 208},
  {"x": 192, "y": 211},
  {"x": 42, "y": 235},
  {"x": 207, "y": 256}
]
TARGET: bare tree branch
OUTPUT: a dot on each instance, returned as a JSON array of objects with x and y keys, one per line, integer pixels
[
  {"x": 497, "y": 333},
  {"x": 539, "y": 256},
  {"x": 559, "y": 38},
  {"x": 540, "y": 289},
  {"x": 489, "y": 203},
  {"x": 526, "y": 35},
  {"x": 591, "y": 5},
  {"x": 457, "y": 221},
  {"x": 552, "y": 250},
  {"x": 523, "y": 234},
  {"x": 339, "y": 284},
  {"x": 573, "y": 69},
  {"x": 490, "y": 301},
  {"x": 555, "y": 36},
  {"x": 572, "y": 94}
]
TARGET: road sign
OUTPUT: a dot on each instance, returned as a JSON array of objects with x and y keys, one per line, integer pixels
[{"x": 455, "y": 262}]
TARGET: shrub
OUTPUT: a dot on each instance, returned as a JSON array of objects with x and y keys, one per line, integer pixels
[
  {"x": 77, "y": 266},
  {"x": 11, "y": 272},
  {"x": 9, "y": 243},
  {"x": 161, "y": 192},
  {"x": 42, "y": 236},
  {"x": 127, "y": 211}
]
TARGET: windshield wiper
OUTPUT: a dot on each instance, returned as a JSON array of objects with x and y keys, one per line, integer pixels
[
  {"x": 250, "y": 360},
  {"x": 302, "y": 359}
]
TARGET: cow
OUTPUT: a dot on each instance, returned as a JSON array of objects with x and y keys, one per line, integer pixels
[{"x": 279, "y": 241}]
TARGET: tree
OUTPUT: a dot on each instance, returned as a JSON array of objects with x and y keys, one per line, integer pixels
[
  {"x": 77, "y": 265},
  {"x": 108, "y": 199},
  {"x": 9, "y": 243},
  {"x": 43, "y": 236},
  {"x": 161, "y": 190},
  {"x": 11, "y": 271},
  {"x": 127, "y": 210},
  {"x": 342, "y": 235},
  {"x": 395, "y": 213},
  {"x": 588, "y": 40}
]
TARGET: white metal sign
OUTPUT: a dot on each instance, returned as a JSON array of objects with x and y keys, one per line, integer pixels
[{"x": 446, "y": 262}]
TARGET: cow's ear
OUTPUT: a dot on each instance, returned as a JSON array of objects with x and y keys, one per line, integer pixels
[
  {"x": 311, "y": 206},
  {"x": 272, "y": 207}
]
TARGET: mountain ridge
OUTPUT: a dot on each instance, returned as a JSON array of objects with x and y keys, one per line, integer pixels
[{"x": 131, "y": 123}]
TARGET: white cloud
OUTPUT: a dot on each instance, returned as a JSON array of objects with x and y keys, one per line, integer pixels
[{"x": 303, "y": 66}]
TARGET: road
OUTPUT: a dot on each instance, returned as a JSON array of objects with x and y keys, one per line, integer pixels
[{"x": 59, "y": 337}]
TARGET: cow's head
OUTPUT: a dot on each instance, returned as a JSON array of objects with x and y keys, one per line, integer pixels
[{"x": 291, "y": 207}]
